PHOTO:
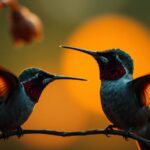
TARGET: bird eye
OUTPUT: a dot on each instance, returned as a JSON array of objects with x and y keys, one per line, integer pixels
[
  {"x": 117, "y": 56},
  {"x": 104, "y": 59},
  {"x": 39, "y": 75}
]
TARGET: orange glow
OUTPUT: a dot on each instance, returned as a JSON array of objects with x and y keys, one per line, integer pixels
[
  {"x": 147, "y": 95},
  {"x": 55, "y": 111},
  {"x": 3, "y": 87},
  {"x": 103, "y": 32}
]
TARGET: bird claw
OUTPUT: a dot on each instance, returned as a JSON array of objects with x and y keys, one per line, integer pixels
[
  {"x": 5, "y": 135},
  {"x": 108, "y": 128},
  {"x": 126, "y": 133},
  {"x": 19, "y": 132}
]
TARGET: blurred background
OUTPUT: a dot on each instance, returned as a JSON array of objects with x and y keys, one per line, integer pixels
[{"x": 73, "y": 105}]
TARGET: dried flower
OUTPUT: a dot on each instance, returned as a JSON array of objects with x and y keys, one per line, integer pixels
[
  {"x": 2, "y": 4},
  {"x": 25, "y": 26}
]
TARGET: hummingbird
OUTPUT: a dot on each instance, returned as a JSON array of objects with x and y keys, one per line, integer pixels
[
  {"x": 18, "y": 96},
  {"x": 125, "y": 101}
]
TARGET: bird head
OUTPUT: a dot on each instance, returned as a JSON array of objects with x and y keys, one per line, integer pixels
[
  {"x": 113, "y": 63},
  {"x": 35, "y": 80}
]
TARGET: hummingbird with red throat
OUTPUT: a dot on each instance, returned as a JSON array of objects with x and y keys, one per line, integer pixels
[
  {"x": 18, "y": 96},
  {"x": 125, "y": 101}
]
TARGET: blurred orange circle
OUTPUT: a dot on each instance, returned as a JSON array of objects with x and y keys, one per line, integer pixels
[{"x": 100, "y": 33}]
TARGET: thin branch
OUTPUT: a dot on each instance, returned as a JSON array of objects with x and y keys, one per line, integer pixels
[{"x": 80, "y": 133}]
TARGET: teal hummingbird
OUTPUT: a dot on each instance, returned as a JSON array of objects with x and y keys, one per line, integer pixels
[
  {"x": 125, "y": 101},
  {"x": 19, "y": 95}
]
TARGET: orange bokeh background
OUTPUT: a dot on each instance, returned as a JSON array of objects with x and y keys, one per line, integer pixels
[
  {"x": 66, "y": 105},
  {"x": 75, "y": 105},
  {"x": 101, "y": 33}
]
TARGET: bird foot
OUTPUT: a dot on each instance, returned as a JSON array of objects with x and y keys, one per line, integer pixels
[
  {"x": 5, "y": 135},
  {"x": 19, "y": 132},
  {"x": 108, "y": 128},
  {"x": 126, "y": 133}
]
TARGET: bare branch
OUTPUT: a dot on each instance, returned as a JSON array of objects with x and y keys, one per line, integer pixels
[{"x": 80, "y": 133}]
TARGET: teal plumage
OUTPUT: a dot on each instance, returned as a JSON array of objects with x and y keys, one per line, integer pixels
[{"x": 28, "y": 74}]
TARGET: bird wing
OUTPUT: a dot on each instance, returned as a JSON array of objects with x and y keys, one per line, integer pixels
[
  {"x": 141, "y": 86},
  {"x": 8, "y": 82}
]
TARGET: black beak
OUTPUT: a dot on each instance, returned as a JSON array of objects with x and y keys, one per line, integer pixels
[
  {"x": 50, "y": 77},
  {"x": 56, "y": 77},
  {"x": 92, "y": 53},
  {"x": 97, "y": 55}
]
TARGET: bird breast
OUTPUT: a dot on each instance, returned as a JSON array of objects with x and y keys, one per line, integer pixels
[{"x": 120, "y": 104}]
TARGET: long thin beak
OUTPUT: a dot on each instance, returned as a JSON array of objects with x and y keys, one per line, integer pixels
[
  {"x": 93, "y": 53},
  {"x": 56, "y": 77}
]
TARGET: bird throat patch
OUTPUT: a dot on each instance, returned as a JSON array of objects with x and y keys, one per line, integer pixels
[
  {"x": 33, "y": 90},
  {"x": 111, "y": 72}
]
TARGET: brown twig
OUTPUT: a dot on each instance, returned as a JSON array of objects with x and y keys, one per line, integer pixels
[{"x": 80, "y": 133}]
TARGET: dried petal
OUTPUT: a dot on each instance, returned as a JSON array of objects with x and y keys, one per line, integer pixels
[{"x": 25, "y": 25}]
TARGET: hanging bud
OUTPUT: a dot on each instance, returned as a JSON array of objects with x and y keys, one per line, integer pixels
[
  {"x": 3, "y": 4},
  {"x": 25, "y": 26}
]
